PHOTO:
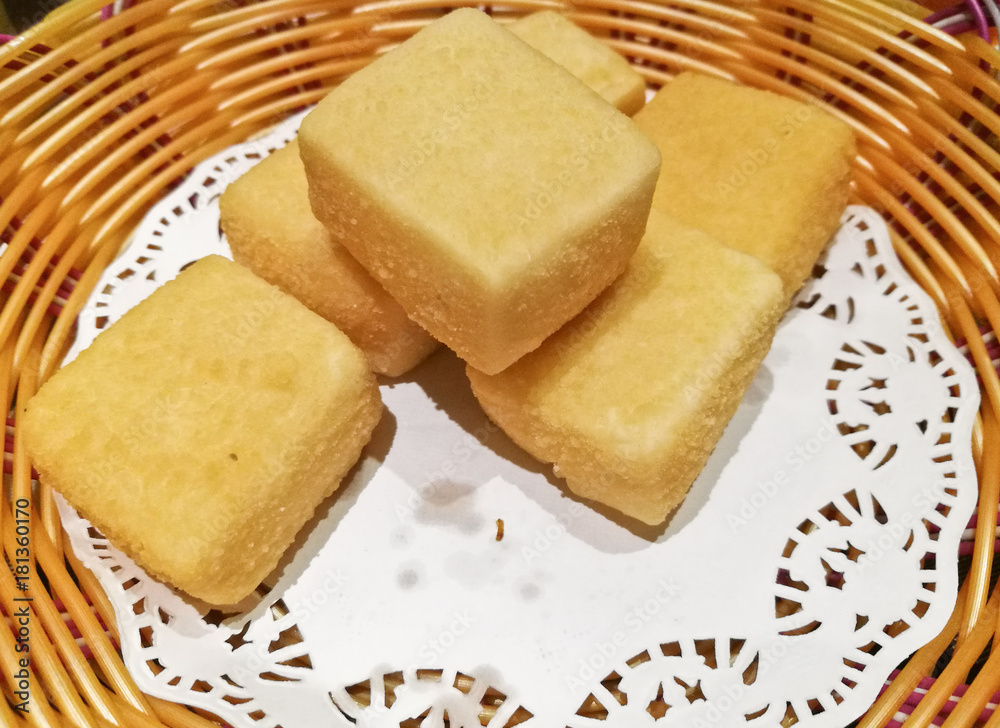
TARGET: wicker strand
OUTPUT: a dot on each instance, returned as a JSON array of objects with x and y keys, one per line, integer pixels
[
  {"x": 953, "y": 675},
  {"x": 994, "y": 720},
  {"x": 106, "y": 654},
  {"x": 869, "y": 187},
  {"x": 955, "y": 231},
  {"x": 50, "y": 669},
  {"x": 76, "y": 177},
  {"x": 919, "y": 665},
  {"x": 968, "y": 710},
  {"x": 918, "y": 267},
  {"x": 989, "y": 483},
  {"x": 51, "y": 678},
  {"x": 861, "y": 22},
  {"x": 78, "y": 46},
  {"x": 94, "y": 595}
]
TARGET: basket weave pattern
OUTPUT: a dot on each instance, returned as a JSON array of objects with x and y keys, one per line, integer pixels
[{"x": 98, "y": 118}]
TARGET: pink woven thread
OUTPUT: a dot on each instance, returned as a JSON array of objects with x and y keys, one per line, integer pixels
[{"x": 981, "y": 26}]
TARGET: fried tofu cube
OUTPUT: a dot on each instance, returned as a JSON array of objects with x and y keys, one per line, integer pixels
[
  {"x": 761, "y": 173},
  {"x": 488, "y": 190},
  {"x": 586, "y": 57},
  {"x": 201, "y": 430},
  {"x": 630, "y": 398},
  {"x": 271, "y": 230}
]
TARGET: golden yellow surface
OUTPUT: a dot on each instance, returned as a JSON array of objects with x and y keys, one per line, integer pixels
[
  {"x": 491, "y": 192},
  {"x": 272, "y": 231},
  {"x": 201, "y": 430},
  {"x": 583, "y": 55},
  {"x": 761, "y": 173},
  {"x": 915, "y": 9},
  {"x": 630, "y": 398}
]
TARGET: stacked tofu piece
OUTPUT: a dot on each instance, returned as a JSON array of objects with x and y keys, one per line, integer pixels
[
  {"x": 272, "y": 231},
  {"x": 629, "y": 398},
  {"x": 486, "y": 188},
  {"x": 761, "y": 173}
]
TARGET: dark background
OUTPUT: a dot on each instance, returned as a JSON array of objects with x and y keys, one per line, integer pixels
[{"x": 22, "y": 14}]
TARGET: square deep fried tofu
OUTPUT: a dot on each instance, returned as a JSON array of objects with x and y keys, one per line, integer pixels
[
  {"x": 272, "y": 231},
  {"x": 486, "y": 188},
  {"x": 586, "y": 57},
  {"x": 201, "y": 430},
  {"x": 761, "y": 173},
  {"x": 630, "y": 398}
]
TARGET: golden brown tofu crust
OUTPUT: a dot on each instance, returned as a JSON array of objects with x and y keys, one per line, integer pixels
[
  {"x": 487, "y": 189},
  {"x": 201, "y": 430},
  {"x": 272, "y": 231},
  {"x": 761, "y": 173},
  {"x": 586, "y": 57},
  {"x": 629, "y": 399}
]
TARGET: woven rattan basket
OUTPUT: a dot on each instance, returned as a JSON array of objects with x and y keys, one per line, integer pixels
[{"x": 102, "y": 113}]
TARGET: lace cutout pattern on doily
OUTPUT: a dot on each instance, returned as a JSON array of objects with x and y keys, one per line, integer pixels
[{"x": 815, "y": 552}]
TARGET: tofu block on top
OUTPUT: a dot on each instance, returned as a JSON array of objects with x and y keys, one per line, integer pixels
[
  {"x": 630, "y": 398},
  {"x": 761, "y": 173},
  {"x": 271, "y": 230},
  {"x": 583, "y": 55},
  {"x": 201, "y": 430},
  {"x": 486, "y": 188}
]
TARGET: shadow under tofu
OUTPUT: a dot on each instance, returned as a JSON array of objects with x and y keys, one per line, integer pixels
[
  {"x": 442, "y": 377},
  {"x": 703, "y": 488},
  {"x": 445, "y": 505},
  {"x": 444, "y": 502},
  {"x": 314, "y": 534}
]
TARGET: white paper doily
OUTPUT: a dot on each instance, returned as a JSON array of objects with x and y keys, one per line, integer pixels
[{"x": 815, "y": 552}]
